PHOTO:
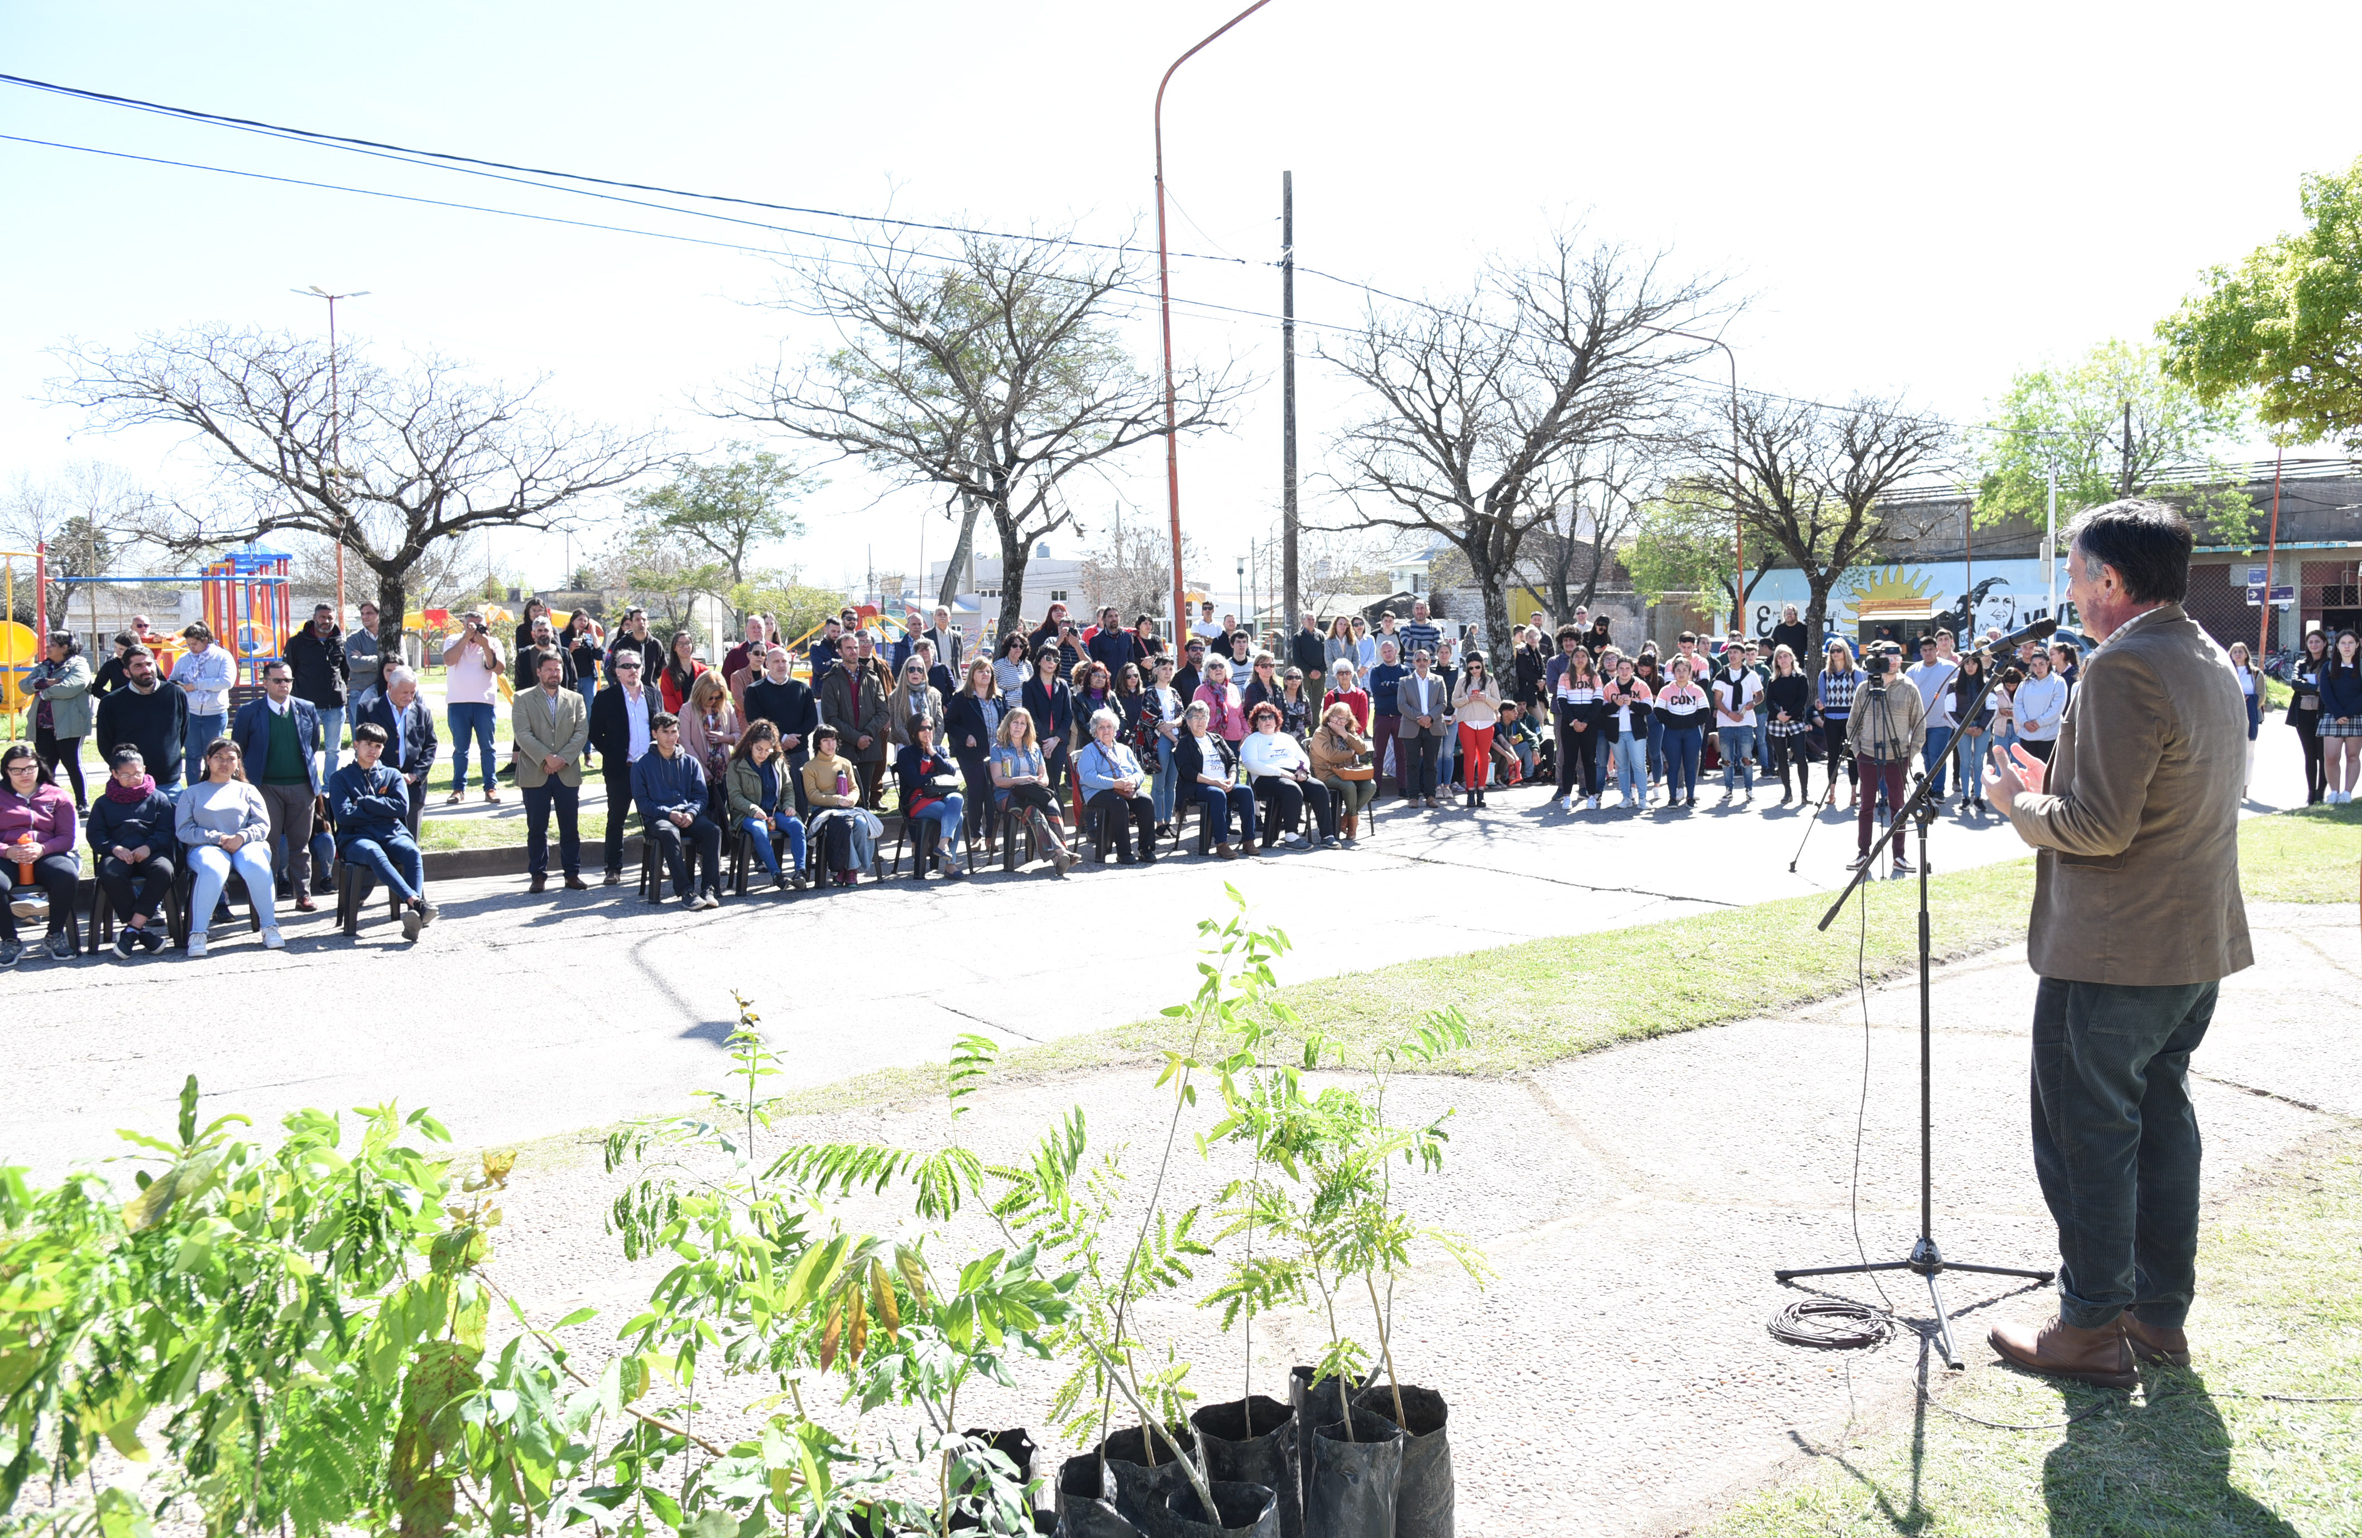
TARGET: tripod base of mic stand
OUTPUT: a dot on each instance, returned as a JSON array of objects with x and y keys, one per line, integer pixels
[{"x": 1930, "y": 1263}]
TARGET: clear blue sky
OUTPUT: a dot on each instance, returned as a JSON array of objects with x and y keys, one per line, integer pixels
[{"x": 1918, "y": 199}]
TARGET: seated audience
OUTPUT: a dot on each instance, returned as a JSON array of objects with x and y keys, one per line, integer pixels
[
  {"x": 1021, "y": 784},
  {"x": 1209, "y": 763},
  {"x": 131, "y": 833},
  {"x": 930, "y": 782},
  {"x": 1113, "y": 791},
  {"x": 370, "y": 803},
  {"x": 1281, "y": 775},
  {"x": 845, "y": 833},
  {"x": 1341, "y": 762},
  {"x": 223, "y": 825},
  {"x": 37, "y": 850},
  {"x": 762, "y": 805},
  {"x": 668, "y": 786}
]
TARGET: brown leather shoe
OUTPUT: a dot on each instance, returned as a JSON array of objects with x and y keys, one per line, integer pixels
[
  {"x": 2063, "y": 1351},
  {"x": 539, "y": 884},
  {"x": 2156, "y": 1342},
  {"x": 577, "y": 884}
]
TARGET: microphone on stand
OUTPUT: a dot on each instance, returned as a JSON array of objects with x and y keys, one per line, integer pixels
[{"x": 2010, "y": 643}]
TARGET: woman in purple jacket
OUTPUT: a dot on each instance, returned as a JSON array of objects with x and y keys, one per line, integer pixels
[{"x": 37, "y": 828}]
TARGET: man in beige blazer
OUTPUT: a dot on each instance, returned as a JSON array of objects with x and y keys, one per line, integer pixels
[
  {"x": 2136, "y": 921},
  {"x": 550, "y": 725}
]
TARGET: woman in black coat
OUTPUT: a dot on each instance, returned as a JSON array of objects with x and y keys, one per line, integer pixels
[
  {"x": 1051, "y": 704},
  {"x": 971, "y": 719}
]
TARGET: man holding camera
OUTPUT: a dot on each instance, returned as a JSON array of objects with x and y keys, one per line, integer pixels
[
  {"x": 2137, "y": 919},
  {"x": 1889, "y": 721}
]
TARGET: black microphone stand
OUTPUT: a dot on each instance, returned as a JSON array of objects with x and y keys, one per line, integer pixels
[{"x": 1926, "y": 1259}]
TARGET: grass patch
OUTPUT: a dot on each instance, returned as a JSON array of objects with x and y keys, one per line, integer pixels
[
  {"x": 2191, "y": 1453},
  {"x": 2308, "y": 855},
  {"x": 443, "y": 834}
]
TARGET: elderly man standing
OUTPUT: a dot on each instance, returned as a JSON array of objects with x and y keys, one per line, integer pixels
[
  {"x": 410, "y": 743},
  {"x": 551, "y": 725},
  {"x": 2137, "y": 919}
]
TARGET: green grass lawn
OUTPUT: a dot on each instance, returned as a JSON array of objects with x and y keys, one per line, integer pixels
[
  {"x": 2310, "y": 855},
  {"x": 2191, "y": 1454}
]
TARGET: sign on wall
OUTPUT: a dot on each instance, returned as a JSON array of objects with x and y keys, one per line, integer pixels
[{"x": 2008, "y": 594}]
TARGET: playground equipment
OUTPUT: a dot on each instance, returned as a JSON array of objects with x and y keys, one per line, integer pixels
[
  {"x": 247, "y": 604},
  {"x": 20, "y": 649}
]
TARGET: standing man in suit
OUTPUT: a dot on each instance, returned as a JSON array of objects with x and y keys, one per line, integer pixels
[
  {"x": 279, "y": 737},
  {"x": 619, "y": 733},
  {"x": 946, "y": 641},
  {"x": 1423, "y": 701},
  {"x": 409, "y": 734},
  {"x": 551, "y": 724},
  {"x": 2137, "y": 919}
]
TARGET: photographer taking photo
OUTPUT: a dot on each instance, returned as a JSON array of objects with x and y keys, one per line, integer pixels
[{"x": 1889, "y": 720}]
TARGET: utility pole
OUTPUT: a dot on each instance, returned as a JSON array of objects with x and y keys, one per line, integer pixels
[
  {"x": 2263, "y": 637},
  {"x": 335, "y": 469},
  {"x": 2126, "y": 490},
  {"x": 1287, "y": 392},
  {"x": 2050, "y": 537}
]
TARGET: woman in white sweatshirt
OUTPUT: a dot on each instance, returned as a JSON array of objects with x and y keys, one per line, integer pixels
[{"x": 224, "y": 825}]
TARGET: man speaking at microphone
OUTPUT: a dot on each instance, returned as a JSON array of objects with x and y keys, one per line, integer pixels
[{"x": 2136, "y": 921}]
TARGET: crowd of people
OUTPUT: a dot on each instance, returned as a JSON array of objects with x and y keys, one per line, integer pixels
[{"x": 1078, "y": 738}]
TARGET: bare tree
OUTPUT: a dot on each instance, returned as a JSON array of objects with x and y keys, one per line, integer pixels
[
  {"x": 1484, "y": 408},
  {"x": 1568, "y": 555},
  {"x": 423, "y": 457},
  {"x": 1132, "y": 566},
  {"x": 1333, "y": 564},
  {"x": 995, "y": 375},
  {"x": 87, "y": 515},
  {"x": 1812, "y": 482}
]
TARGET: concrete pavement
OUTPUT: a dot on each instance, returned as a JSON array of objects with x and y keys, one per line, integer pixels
[{"x": 517, "y": 1017}]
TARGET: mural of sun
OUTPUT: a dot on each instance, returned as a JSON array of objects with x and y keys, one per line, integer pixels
[{"x": 1888, "y": 584}]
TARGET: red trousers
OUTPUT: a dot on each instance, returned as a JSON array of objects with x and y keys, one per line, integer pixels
[{"x": 1873, "y": 774}]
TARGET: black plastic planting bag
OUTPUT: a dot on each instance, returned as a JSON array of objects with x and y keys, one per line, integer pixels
[
  {"x": 1240, "y": 1511},
  {"x": 1253, "y": 1442},
  {"x": 1013, "y": 1445},
  {"x": 1302, "y": 1392},
  {"x": 1353, "y": 1484},
  {"x": 1086, "y": 1508},
  {"x": 1143, "y": 1474},
  {"x": 1423, "y": 1508}
]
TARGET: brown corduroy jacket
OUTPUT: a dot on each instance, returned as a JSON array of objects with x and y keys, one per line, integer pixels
[{"x": 2137, "y": 877}]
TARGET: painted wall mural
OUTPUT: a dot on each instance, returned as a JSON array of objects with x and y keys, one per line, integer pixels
[{"x": 2006, "y": 594}]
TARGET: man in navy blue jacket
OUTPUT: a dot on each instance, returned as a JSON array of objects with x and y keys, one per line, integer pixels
[
  {"x": 669, "y": 787},
  {"x": 371, "y": 806}
]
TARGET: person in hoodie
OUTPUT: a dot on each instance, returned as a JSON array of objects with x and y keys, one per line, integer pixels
[
  {"x": 131, "y": 833},
  {"x": 370, "y": 803}
]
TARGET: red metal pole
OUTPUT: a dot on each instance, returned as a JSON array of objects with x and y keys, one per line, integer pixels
[
  {"x": 1164, "y": 294},
  {"x": 2263, "y": 626}
]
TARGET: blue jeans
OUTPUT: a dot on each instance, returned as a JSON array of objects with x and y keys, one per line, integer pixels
[
  {"x": 203, "y": 730},
  {"x": 393, "y": 859},
  {"x": 759, "y": 830},
  {"x": 1683, "y": 749},
  {"x": 1938, "y": 753},
  {"x": 464, "y": 719},
  {"x": 331, "y": 738},
  {"x": 1631, "y": 755},
  {"x": 1218, "y": 803},
  {"x": 1738, "y": 749},
  {"x": 2116, "y": 1144},
  {"x": 1969, "y": 748},
  {"x": 253, "y": 864},
  {"x": 1656, "y": 748},
  {"x": 1162, "y": 790},
  {"x": 947, "y": 813},
  {"x": 538, "y": 801}
]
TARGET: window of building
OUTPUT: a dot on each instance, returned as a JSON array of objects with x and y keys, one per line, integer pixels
[{"x": 1057, "y": 595}]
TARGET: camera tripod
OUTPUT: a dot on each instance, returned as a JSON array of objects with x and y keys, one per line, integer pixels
[{"x": 1925, "y": 1259}]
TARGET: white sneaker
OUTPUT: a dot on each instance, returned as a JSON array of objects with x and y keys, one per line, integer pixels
[
  {"x": 272, "y": 940},
  {"x": 1591, "y": 805},
  {"x": 196, "y": 945},
  {"x": 1292, "y": 838},
  {"x": 1566, "y": 803}
]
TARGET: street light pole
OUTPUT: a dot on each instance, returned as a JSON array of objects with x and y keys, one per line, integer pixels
[
  {"x": 1164, "y": 294},
  {"x": 1738, "y": 604},
  {"x": 335, "y": 397}
]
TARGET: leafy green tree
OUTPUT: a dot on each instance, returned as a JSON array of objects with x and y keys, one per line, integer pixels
[
  {"x": 1682, "y": 544},
  {"x": 2115, "y": 423},
  {"x": 728, "y": 508},
  {"x": 2287, "y": 323}
]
